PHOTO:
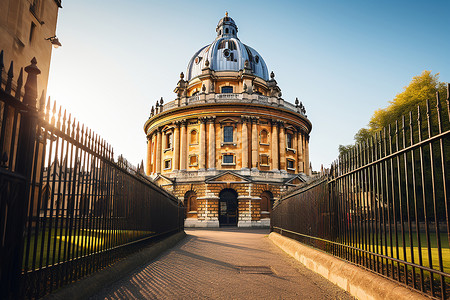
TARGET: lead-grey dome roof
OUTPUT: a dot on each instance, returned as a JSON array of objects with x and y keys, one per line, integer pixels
[{"x": 227, "y": 53}]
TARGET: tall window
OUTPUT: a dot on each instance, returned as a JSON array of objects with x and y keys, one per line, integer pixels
[
  {"x": 289, "y": 140},
  {"x": 227, "y": 89},
  {"x": 193, "y": 137},
  {"x": 169, "y": 140},
  {"x": 32, "y": 29},
  {"x": 264, "y": 137},
  {"x": 228, "y": 134}
]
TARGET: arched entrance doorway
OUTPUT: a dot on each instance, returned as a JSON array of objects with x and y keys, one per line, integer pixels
[
  {"x": 190, "y": 202},
  {"x": 266, "y": 204},
  {"x": 228, "y": 207}
]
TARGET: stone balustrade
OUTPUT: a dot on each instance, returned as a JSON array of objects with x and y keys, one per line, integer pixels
[{"x": 228, "y": 98}]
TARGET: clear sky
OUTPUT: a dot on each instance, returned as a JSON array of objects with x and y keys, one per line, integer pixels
[{"x": 343, "y": 59}]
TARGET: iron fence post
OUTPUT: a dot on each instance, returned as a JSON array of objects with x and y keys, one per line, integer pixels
[{"x": 25, "y": 151}]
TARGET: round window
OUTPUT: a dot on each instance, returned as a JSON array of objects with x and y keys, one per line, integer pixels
[
  {"x": 198, "y": 59},
  {"x": 226, "y": 53}
]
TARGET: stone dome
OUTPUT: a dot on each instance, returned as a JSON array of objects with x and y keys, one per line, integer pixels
[{"x": 227, "y": 53}]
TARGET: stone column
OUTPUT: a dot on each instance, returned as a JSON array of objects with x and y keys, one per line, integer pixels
[
  {"x": 307, "y": 167},
  {"x": 176, "y": 147},
  {"x": 212, "y": 144},
  {"x": 295, "y": 146},
  {"x": 202, "y": 145},
  {"x": 244, "y": 150},
  {"x": 282, "y": 147},
  {"x": 153, "y": 152},
  {"x": 275, "y": 145},
  {"x": 183, "y": 145},
  {"x": 149, "y": 155},
  {"x": 300, "y": 151},
  {"x": 255, "y": 144},
  {"x": 158, "y": 151}
]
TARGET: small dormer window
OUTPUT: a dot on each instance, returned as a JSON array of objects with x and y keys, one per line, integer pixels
[{"x": 226, "y": 30}]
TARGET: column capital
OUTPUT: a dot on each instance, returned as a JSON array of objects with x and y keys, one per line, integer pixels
[
  {"x": 203, "y": 119},
  {"x": 159, "y": 129},
  {"x": 245, "y": 119},
  {"x": 211, "y": 119},
  {"x": 177, "y": 123},
  {"x": 183, "y": 122},
  {"x": 254, "y": 119}
]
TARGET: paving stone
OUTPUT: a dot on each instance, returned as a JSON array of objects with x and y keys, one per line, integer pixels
[{"x": 223, "y": 263}]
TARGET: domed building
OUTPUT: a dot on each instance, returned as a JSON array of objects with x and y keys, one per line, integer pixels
[{"x": 228, "y": 145}]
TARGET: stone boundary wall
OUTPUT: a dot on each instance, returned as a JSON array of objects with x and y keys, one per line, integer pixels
[{"x": 360, "y": 283}]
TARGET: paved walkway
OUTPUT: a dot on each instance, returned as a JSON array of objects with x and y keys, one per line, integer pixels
[{"x": 224, "y": 264}]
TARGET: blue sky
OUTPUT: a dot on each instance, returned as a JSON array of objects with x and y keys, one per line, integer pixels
[{"x": 343, "y": 59}]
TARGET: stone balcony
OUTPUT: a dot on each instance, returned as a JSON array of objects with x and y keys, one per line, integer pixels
[{"x": 230, "y": 98}]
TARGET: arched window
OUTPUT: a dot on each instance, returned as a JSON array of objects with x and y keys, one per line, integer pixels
[
  {"x": 228, "y": 134},
  {"x": 226, "y": 30},
  {"x": 190, "y": 202},
  {"x": 264, "y": 137},
  {"x": 266, "y": 201},
  {"x": 193, "y": 137},
  {"x": 227, "y": 89},
  {"x": 46, "y": 194}
]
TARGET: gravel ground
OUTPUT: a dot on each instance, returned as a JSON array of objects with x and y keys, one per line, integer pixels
[{"x": 225, "y": 263}]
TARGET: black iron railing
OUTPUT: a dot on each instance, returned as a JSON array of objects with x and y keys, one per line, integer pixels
[
  {"x": 384, "y": 205},
  {"x": 67, "y": 209}
]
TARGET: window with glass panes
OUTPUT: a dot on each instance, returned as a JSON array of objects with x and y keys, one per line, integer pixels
[
  {"x": 228, "y": 134},
  {"x": 227, "y": 159}
]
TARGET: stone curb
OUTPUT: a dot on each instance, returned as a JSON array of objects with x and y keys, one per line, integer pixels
[
  {"x": 92, "y": 284},
  {"x": 358, "y": 282}
]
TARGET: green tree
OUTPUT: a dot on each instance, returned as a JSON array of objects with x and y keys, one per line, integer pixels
[{"x": 420, "y": 89}]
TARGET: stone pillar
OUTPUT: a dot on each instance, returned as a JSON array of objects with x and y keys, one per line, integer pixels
[
  {"x": 282, "y": 147},
  {"x": 149, "y": 156},
  {"x": 307, "y": 166},
  {"x": 176, "y": 147},
  {"x": 244, "y": 150},
  {"x": 202, "y": 145},
  {"x": 295, "y": 146},
  {"x": 300, "y": 152},
  {"x": 183, "y": 145},
  {"x": 255, "y": 144},
  {"x": 212, "y": 144},
  {"x": 274, "y": 154},
  {"x": 153, "y": 152},
  {"x": 158, "y": 151}
]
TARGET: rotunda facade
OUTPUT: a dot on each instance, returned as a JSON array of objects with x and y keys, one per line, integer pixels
[{"x": 229, "y": 144}]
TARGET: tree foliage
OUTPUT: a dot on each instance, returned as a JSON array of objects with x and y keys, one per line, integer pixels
[{"x": 421, "y": 88}]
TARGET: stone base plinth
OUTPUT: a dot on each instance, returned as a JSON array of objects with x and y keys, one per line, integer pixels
[{"x": 190, "y": 223}]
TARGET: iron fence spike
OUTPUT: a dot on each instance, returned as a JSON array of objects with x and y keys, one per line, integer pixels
[
  {"x": 19, "y": 84},
  {"x": 9, "y": 78},
  {"x": 1, "y": 65}
]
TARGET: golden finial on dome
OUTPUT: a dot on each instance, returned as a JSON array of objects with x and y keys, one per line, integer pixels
[{"x": 226, "y": 14}]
